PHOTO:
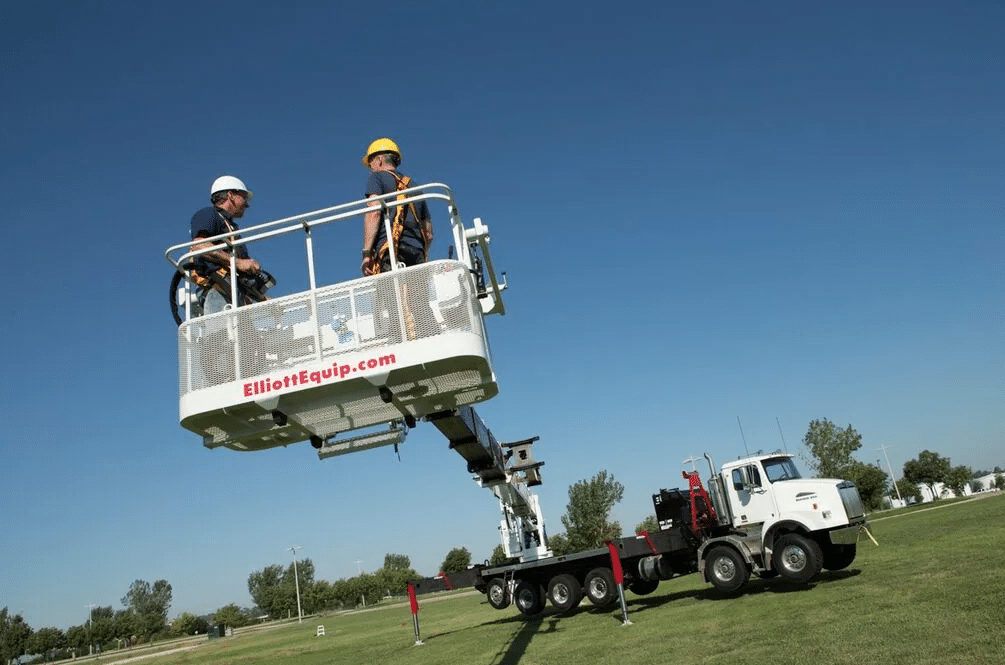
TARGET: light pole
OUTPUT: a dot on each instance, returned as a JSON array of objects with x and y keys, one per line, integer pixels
[
  {"x": 90, "y": 619},
  {"x": 296, "y": 581},
  {"x": 892, "y": 478},
  {"x": 360, "y": 571}
]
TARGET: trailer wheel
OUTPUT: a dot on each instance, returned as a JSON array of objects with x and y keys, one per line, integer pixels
[
  {"x": 839, "y": 557},
  {"x": 726, "y": 569},
  {"x": 600, "y": 588},
  {"x": 797, "y": 558},
  {"x": 565, "y": 592},
  {"x": 529, "y": 598},
  {"x": 643, "y": 587},
  {"x": 497, "y": 594}
]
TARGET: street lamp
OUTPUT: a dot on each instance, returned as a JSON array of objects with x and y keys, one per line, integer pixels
[
  {"x": 90, "y": 620},
  {"x": 360, "y": 571},
  {"x": 296, "y": 581},
  {"x": 899, "y": 498}
]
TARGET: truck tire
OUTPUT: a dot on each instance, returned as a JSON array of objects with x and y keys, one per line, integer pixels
[
  {"x": 797, "y": 558},
  {"x": 529, "y": 598},
  {"x": 839, "y": 557},
  {"x": 599, "y": 587},
  {"x": 498, "y": 594},
  {"x": 565, "y": 592},
  {"x": 726, "y": 569}
]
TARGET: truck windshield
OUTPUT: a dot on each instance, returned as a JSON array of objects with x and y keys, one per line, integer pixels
[{"x": 780, "y": 468}]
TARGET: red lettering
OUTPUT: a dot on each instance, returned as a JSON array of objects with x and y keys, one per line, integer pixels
[{"x": 304, "y": 377}]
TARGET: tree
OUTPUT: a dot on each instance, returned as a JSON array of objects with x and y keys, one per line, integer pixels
[
  {"x": 45, "y": 641},
  {"x": 14, "y": 635},
  {"x": 498, "y": 557},
  {"x": 127, "y": 624},
  {"x": 231, "y": 615},
  {"x": 189, "y": 624},
  {"x": 458, "y": 559},
  {"x": 559, "y": 544},
  {"x": 396, "y": 574},
  {"x": 650, "y": 524},
  {"x": 150, "y": 603},
  {"x": 976, "y": 486},
  {"x": 397, "y": 562},
  {"x": 999, "y": 482},
  {"x": 831, "y": 448},
  {"x": 908, "y": 490},
  {"x": 870, "y": 480},
  {"x": 76, "y": 639},
  {"x": 958, "y": 478},
  {"x": 586, "y": 517},
  {"x": 264, "y": 587},
  {"x": 929, "y": 469}
]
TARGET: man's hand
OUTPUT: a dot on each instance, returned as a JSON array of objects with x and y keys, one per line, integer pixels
[{"x": 248, "y": 265}]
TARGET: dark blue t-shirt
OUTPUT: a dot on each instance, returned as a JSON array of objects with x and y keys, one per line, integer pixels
[
  {"x": 211, "y": 221},
  {"x": 382, "y": 182}
]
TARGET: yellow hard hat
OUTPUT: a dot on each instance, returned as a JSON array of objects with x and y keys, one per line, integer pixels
[{"x": 381, "y": 145}]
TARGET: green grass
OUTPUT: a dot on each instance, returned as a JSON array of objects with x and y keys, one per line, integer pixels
[{"x": 931, "y": 592}]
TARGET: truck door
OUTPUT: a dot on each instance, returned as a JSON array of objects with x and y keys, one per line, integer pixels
[{"x": 753, "y": 502}]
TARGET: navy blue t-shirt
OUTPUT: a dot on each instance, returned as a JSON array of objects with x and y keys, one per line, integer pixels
[
  {"x": 211, "y": 221},
  {"x": 382, "y": 182}
]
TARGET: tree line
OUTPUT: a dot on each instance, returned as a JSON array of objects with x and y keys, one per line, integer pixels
[{"x": 144, "y": 617}]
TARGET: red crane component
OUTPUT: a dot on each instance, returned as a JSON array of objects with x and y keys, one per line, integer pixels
[{"x": 702, "y": 512}]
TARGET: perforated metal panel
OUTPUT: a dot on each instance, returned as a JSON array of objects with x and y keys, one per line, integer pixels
[{"x": 320, "y": 358}]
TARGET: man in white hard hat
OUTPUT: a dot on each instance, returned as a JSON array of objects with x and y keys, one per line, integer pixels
[{"x": 230, "y": 198}]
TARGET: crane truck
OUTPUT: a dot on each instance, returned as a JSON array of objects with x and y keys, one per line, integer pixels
[
  {"x": 758, "y": 516},
  {"x": 354, "y": 365}
]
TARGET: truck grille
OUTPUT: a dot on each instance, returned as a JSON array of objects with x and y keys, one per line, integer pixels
[{"x": 852, "y": 501}]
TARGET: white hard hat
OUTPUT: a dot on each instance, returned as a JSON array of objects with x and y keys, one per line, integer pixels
[{"x": 228, "y": 182}]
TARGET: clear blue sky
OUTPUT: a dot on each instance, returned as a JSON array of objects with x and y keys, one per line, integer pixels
[{"x": 767, "y": 211}]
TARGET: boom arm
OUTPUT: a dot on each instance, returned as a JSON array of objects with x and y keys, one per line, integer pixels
[{"x": 509, "y": 470}]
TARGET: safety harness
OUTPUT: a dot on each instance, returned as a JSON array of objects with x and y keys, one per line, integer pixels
[
  {"x": 208, "y": 278},
  {"x": 398, "y": 227}
]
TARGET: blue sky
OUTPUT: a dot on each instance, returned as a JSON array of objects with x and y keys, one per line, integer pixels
[{"x": 773, "y": 213}]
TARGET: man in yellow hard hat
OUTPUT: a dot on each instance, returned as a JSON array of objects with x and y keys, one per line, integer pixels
[{"x": 412, "y": 231}]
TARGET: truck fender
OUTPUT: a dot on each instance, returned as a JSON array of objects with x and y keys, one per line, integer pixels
[{"x": 777, "y": 530}]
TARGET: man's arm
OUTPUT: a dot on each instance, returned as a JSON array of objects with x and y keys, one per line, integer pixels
[
  {"x": 371, "y": 221},
  {"x": 222, "y": 257}
]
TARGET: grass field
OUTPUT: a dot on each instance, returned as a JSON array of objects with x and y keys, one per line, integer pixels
[{"x": 933, "y": 591}]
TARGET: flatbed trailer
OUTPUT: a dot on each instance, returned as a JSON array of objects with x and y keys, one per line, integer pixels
[{"x": 646, "y": 559}]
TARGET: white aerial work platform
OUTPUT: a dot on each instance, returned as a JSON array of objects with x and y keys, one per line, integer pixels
[{"x": 383, "y": 350}]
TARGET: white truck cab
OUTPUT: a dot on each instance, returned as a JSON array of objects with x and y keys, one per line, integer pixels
[{"x": 778, "y": 522}]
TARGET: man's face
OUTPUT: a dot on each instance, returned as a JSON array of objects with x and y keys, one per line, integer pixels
[{"x": 239, "y": 203}]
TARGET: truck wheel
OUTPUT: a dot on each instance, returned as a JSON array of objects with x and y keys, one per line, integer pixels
[
  {"x": 726, "y": 569},
  {"x": 600, "y": 588},
  {"x": 497, "y": 594},
  {"x": 643, "y": 587},
  {"x": 565, "y": 592},
  {"x": 529, "y": 598},
  {"x": 797, "y": 558},
  {"x": 839, "y": 557}
]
